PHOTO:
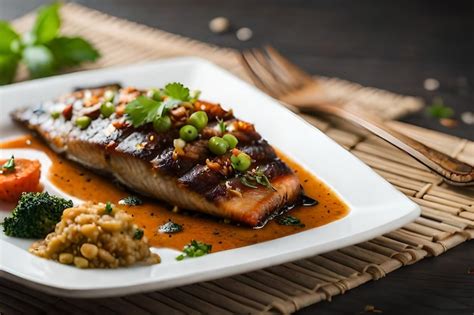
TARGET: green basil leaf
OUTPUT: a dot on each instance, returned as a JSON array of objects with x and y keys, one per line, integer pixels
[
  {"x": 71, "y": 51},
  {"x": 8, "y": 66},
  {"x": 47, "y": 23},
  {"x": 39, "y": 60},
  {"x": 7, "y": 36}
]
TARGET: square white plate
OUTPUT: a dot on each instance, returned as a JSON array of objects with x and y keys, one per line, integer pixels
[{"x": 375, "y": 206}]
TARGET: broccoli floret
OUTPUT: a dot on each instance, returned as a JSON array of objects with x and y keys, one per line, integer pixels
[{"x": 35, "y": 215}]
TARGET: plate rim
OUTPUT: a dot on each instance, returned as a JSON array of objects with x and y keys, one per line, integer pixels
[{"x": 150, "y": 285}]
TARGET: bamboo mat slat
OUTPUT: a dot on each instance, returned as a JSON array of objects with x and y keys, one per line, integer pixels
[{"x": 447, "y": 217}]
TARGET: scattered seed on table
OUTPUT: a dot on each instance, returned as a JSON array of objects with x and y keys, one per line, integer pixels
[
  {"x": 467, "y": 118},
  {"x": 431, "y": 84},
  {"x": 448, "y": 122},
  {"x": 370, "y": 309},
  {"x": 219, "y": 25},
  {"x": 244, "y": 34}
]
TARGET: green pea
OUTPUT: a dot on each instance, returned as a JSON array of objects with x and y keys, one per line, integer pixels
[
  {"x": 83, "y": 122},
  {"x": 55, "y": 115},
  {"x": 217, "y": 145},
  {"x": 241, "y": 162},
  {"x": 198, "y": 119},
  {"x": 188, "y": 133},
  {"x": 107, "y": 109},
  {"x": 162, "y": 124},
  {"x": 231, "y": 140}
]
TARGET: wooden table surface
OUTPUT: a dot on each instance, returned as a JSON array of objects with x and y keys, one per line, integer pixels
[{"x": 391, "y": 45}]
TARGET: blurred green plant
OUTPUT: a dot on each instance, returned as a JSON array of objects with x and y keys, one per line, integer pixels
[
  {"x": 439, "y": 110},
  {"x": 43, "y": 50}
]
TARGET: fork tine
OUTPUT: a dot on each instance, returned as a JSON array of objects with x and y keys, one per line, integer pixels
[
  {"x": 259, "y": 74},
  {"x": 279, "y": 73},
  {"x": 272, "y": 72},
  {"x": 251, "y": 73},
  {"x": 272, "y": 78},
  {"x": 290, "y": 73}
]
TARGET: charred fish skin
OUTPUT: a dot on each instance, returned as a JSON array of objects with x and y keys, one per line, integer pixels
[{"x": 147, "y": 161}]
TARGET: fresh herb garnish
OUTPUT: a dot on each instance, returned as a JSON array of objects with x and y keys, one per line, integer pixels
[
  {"x": 195, "y": 249},
  {"x": 194, "y": 95},
  {"x": 145, "y": 110},
  {"x": 177, "y": 91},
  {"x": 254, "y": 177},
  {"x": 289, "y": 220},
  {"x": 439, "y": 110},
  {"x": 170, "y": 227},
  {"x": 222, "y": 125},
  {"x": 138, "y": 234},
  {"x": 108, "y": 207},
  {"x": 42, "y": 49},
  {"x": 131, "y": 201},
  {"x": 247, "y": 182},
  {"x": 9, "y": 165}
]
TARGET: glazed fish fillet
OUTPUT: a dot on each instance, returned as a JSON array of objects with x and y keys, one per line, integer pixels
[{"x": 149, "y": 162}]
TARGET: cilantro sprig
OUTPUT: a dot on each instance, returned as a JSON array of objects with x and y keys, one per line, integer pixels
[
  {"x": 145, "y": 109},
  {"x": 177, "y": 91},
  {"x": 42, "y": 49}
]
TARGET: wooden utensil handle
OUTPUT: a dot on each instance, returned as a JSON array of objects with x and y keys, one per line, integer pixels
[{"x": 452, "y": 170}]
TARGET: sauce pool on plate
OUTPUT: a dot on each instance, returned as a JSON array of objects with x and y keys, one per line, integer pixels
[{"x": 84, "y": 184}]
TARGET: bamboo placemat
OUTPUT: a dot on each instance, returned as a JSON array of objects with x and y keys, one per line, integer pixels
[{"x": 447, "y": 213}]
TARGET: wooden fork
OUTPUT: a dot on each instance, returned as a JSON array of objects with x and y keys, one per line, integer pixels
[{"x": 283, "y": 80}]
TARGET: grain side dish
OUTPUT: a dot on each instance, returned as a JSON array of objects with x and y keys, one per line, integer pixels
[{"x": 96, "y": 236}]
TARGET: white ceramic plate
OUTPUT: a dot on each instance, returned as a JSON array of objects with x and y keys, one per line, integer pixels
[{"x": 375, "y": 206}]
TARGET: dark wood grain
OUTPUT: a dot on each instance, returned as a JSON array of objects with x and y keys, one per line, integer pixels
[
  {"x": 392, "y": 45},
  {"x": 432, "y": 286}
]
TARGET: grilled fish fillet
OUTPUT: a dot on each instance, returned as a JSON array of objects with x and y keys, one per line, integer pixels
[{"x": 147, "y": 162}]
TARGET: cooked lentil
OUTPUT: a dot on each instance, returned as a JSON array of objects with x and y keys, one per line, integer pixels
[{"x": 89, "y": 236}]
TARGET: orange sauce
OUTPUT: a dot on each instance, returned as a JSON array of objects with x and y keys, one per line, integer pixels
[{"x": 79, "y": 182}]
